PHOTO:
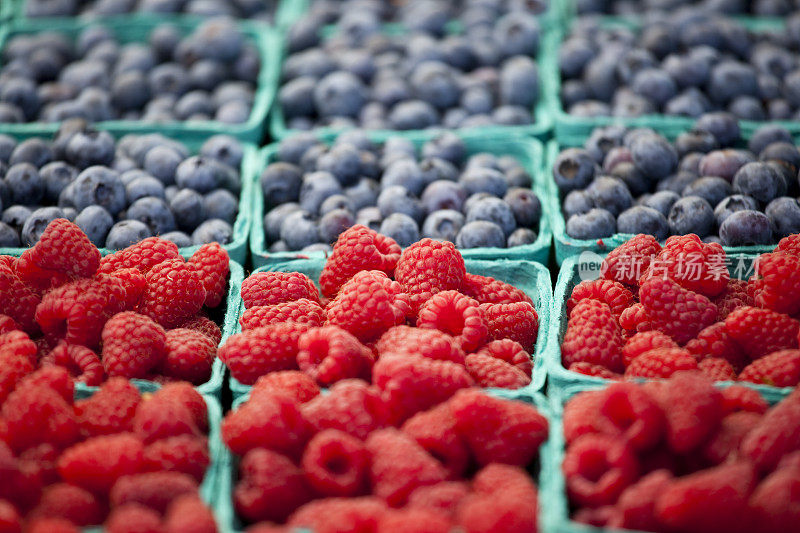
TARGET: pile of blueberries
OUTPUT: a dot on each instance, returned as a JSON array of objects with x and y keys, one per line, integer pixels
[
  {"x": 209, "y": 74},
  {"x": 314, "y": 192},
  {"x": 362, "y": 76},
  {"x": 759, "y": 8},
  {"x": 636, "y": 181},
  {"x": 251, "y": 9},
  {"x": 118, "y": 192},
  {"x": 687, "y": 63}
]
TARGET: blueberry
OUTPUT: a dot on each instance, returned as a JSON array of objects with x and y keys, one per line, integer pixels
[
  {"x": 661, "y": 201},
  {"x": 519, "y": 82},
  {"x": 8, "y": 236},
  {"x": 95, "y": 222},
  {"x": 162, "y": 162},
  {"x": 443, "y": 194},
  {"x": 56, "y": 176},
  {"x": 21, "y": 93},
  {"x": 398, "y": 199},
  {"x": 280, "y": 183},
  {"x": 413, "y": 115},
  {"x": 397, "y": 148},
  {"x": 767, "y": 135},
  {"x": 201, "y": 174},
  {"x": 405, "y": 173},
  {"x": 15, "y": 216},
  {"x": 730, "y": 79},
  {"x": 274, "y": 218},
  {"x": 436, "y": 169},
  {"x": 180, "y": 239},
  {"x": 316, "y": 188},
  {"x": 610, "y": 194},
  {"x": 364, "y": 193},
  {"x": 642, "y": 219},
  {"x": 654, "y": 84},
  {"x": 784, "y": 216},
  {"x": 126, "y": 233},
  {"x": 443, "y": 225},
  {"x": 214, "y": 230},
  {"x": 760, "y": 181},
  {"x": 493, "y": 210},
  {"x": 784, "y": 153},
  {"x": 711, "y": 188},
  {"x": 370, "y": 217},
  {"x": 333, "y": 223},
  {"x": 745, "y": 228},
  {"x": 98, "y": 185},
  {"x": 573, "y": 169},
  {"x": 732, "y": 204},
  {"x": 477, "y": 179},
  {"x": 224, "y": 148},
  {"x": 747, "y": 108},
  {"x": 402, "y": 228},
  {"x": 481, "y": 234},
  {"x": 37, "y": 222},
  {"x": 577, "y": 203},
  {"x": 25, "y": 184},
  {"x": 526, "y": 207},
  {"x": 35, "y": 151},
  {"x": 447, "y": 146},
  {"x": 154, "y": 213},
  {"x": 695, "y": 141},
  {"x": 691, "y": 214},
  {"x": 299, "y": 230},
  {"x": 339, "y": 94},
  {"x": 594, "y": 224},
  {"x": 435, "y": 83},
  {"x": 188, "y": 210},
  {"x": 521, "y": 237},
  {"x": 653, "y": 155},
  {"x": 573, "y": 56},
  {"x": 518, "y": 34},
  {"x": 291, "y": 149},
  {"x": 221, "y": 204},
  {"x": 144, "y": 185},
  {"x": 723, "y": 126},
  {"x": 724, "y": 163},
  {"x": 7, "y": 145},
  {"x": 278, "y": 247},
  {"x": 337, "y": 201}
]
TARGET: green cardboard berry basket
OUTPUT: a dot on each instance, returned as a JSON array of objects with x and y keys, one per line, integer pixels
[
  {"x": 136, "y": 29},
  {"x": 571, "y": 129},
  {"x": 570, "y": 275},
  {"x": 248, "y": 176},
  {"x": 546, "y": 61},
  {"x": 532, "y": 278},
  {"x": 228, "y": 522},
  {"x": 529, "y": 152}
]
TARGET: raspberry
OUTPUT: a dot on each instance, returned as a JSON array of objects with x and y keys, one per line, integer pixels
[
  {"x": 676, "y": 311},
  {"x": 174, "y": 292},
  {"x": 629, "y": 411},
  {"x": 295, "y": 384},
  {"x": 410, "y": 384},
  {"x": 369, "y": 304},
  {"x": 188, "y": 396},
  {"x": 81, "y": 362},
  {"x": 435, "y": 430},
  {"x": 270, "y": 288},
  {"x": 143, "y": 255},
  {"x": 213, "y": 265},
  {"x": 611, "y": 293},
  {"x": 717, "y": 369},
  {"x": 517, "y": 321},
  {"x": 69, "y": 502},
  {"x": 15, "y": 363},
  {"x": 419, "y": 520},
  {"x": 714, "y": 341},
  {"x": 428, "y": 267},
  {"x": 399, "y": 465},
  {"x": 760, "y": 331},
  {"x": 333, "y": 515},
  {"x": 511, "y": 352},
  {"x": 41, "y": 462},
  {"x": 740, "y": 398},
  {"x": 52, "y": 378},
  {"x": 488, "y": 371},
  {"x": 205, "y": 326},
  {"x": 133, "y": 345},
  {"x": 779, "y": 283},
  {"x": 627, "y": 262},
  {"x": 133, "y": 518},
  {"x": 597, "y": 371},
  {"x": 592, "y": 336},
  {"x": 488, "y": 290},
  {"x": 789, "y": 245},
  {"x": 774, "y": 502},
  {"x": 188, "y": 514},
  {"x": 694, "y": 265},
  {"x": 98, "y": 462},
  {"x": 51, "y": 525},
  {"x": 597, "y": 469},
  {"x": 357, "y": 248},
  {"x": 734, "y": 296},
  {"x": 134, "y": 283},
  {"x": 259, "y": 351},
  {"x": 330, "y": 354},
  {"x": 159, "y": 417},
  {"x": 38, "y": 279},
  {"x": 184, "y": 453},
  {"x": 445, "y": 496},
  {"x": 35, "y": 415},
  {"x": 63, "y": 247},
  {"x": 430, "y": 343},
  {"x": 712, "y": 500},
  {"x": 10, "y": 520},
  {"x": 109, "y": 410},
  {"x": 270, "y": 421},
  {"x": 351, "y": 406},
  {"x": 636, "y": 504},
  {"x": 189, "y": 356},
  {"x": 498, "y": 430},
  {"x": 7, "y": 324},
  {"x": 777, "y": 434},
  {"x": 302, "y": 311},
  {"x": 727, "y": 440},
  {"x": 642, "y": 343},
  {"x": 505, "y": 499},
  {"x": 634, "y": 319},
  {"x": 22, "y": 484},
  {"x": 155, "y": 490},
  {"x": 457, "y": 315},
  {"x": 17, "y": 300},
  {"x": 336, "y": 464}
]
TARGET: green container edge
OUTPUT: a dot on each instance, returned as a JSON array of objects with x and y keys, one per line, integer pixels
[
  {"x": 539, "y": 288},
  {"x": 529, "y": 151},
  {"x": 134, "y": 29}
]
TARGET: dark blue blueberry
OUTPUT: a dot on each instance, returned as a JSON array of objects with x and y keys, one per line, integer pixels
[
  {"x": 25, "y": 184},
  {"x": 723, "y": 126},
  {"x": 296, "y": 97},
  {"x": 214, "y": 230},
  {"x": 168, "y": 78},
  {"x": 69, "y": 213},
  {"x": 447, "y": 146},
  {"x": 278, "y": 247},
  {"x": 413, "y": 115},
  {"x": 653, "y": 155},
  {"x": 760, "y": 181},
  {"x": 444, "y": 195},
  {"x": 343, "y": 161},
  {"x": 661, "y": 201},
  {"x": 15, "y": 216},
  {"x": 711, "y": 188},
  {"x": 610, "y": 194},
  {"x": 747, "y": 108},
  {"x": 194, "y": 105},
  {"x": 153, "y": 212},
  {"x": 573, "y": 56},
  {"x": 689, "y": 70},
  {"x": 340, "y": 94},
  {"x": 435, "y": 83},
  {"x": 333, "y": 223},
  {"x": 316, "y": 188},
  {"x": 690, "y": 103},
  {"x": 402, "y": 228},
  {"x": 443, "y": 225},
  {"x": 162, "y": 162},
  {"x": 95, "y": 222},
  {"x": 526, "y": 207},
  {"x": 274, "y": 218},
  {"x": 405, "y": 173},
  {"x": 521, "y": 237},
  {"x": 125, "y": 233},
  {"x": 724, "y": 163},
  {"x": 730, "y": 79},
  {"x": 655, "y": 85},
  {"x": 8, "y": 236},
  {"x": 318, "y": 247},
  {"x": 397, "y": 148},
  {"x": 603, "y": 140},
  {"x": 518, "y": 34},
  {"x": 509, "y": 115},
  {"x": 477, "y": 179},
  {"x": 337, "y": 201},
  {"x": 37, "y": 222},
  {"x": 188, "y": 210},
  {"x": 98, "y": 185},
  {"x": 221, "y": 204},
  {"x": 695, "y": 141},
  {"x": 594, "y": 224},
  {"x": 11, "y": 114},
  {"x": 785, "y": 154},
  {"x": 573, "y": 169},
  {"x": 577, "y": 203},
  {"x": 21, "y": 93},
  {"x": 56, "y": 176},
  {"x": 225, "y": 149},
  {"x": 310, "y": 157},
  {"x": 144, "y": 185},
  {"x": 732, "y": 204},
  {"x": 493, "y": 210},
  {"x": 233, "y": 113},
  {"x": 601, "y": 78},
  {"x": 299, "y": 230},
  {"x": 35, "y": 151},
  {"x": 633, "y": 178},
  {"x": 435, "y": 169},
  {"x": 280, "y": 183},
  {"x": 370, "y": 217},
  {"x": 767, "y": 135},
  {"x": 180, "y": 239},
  {"x": 7, "y": 145},
  {"x": 477, "y": 100},
  {"x": 784, "y": 215},
  {"x": 519, "y": 82},
  {"x": 364, "y": 193},
  {"x": 745, "y": 228},
  {"x": 291, "y": 149},
  {"x": 130, "y": 91},
  {"x": 518, "y": 177},
  {"x": 641, "y": 219},
  {"x": 398, "y": 199},
  {"x": 201, "y": 174},
  {"x": 481, "y": 234},
  {"x": 691, "y": 214}
]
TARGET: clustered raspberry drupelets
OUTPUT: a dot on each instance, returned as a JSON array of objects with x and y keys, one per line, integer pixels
[
  {"x": 387, "y": 317},
  {"x": 658, "y": 310},
  {"x": 117, "y": 458},
  {"x": 344, "y": 461},
  {"x": 682, "y": 455},
  {"x": 137, "y": 313}
]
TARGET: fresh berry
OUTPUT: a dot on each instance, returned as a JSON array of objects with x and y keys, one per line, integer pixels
[
  {"x": 205, "y": 326},
  {"x": 627, "y": 262},
  {"x": 270, "y": 288},
  {"x": 422, "y": 520},
  {"x": 676, "y": 311},
  {"x": 488, "y": 290},
  {"x": 35, "y": 414},
  {"x": 184, "y": 394},
  {"x": 188, "y": 513},
  {"x": 761, "y": 331},
  {"x": 330, "y": 354},
  {"x": 511, "y": 352},
  {"x": 72, "y": 503},
  {"x": 778, "y": 283},
  {"x": 740, "y": 398},
  {"x": 110, "y": 410},
  {"x": 430, "y": 343},
  {"x": 143, "y": 255},
  {"x": 505, "y": 499},
  {"x": 297, "y": 385},
  {"x": 435, "y": 430},
  {"x": 329, "y": 515},
  {"x": 134, "y": 283},
  {"x": 133, "y": 518},
  {"x": 457, "y": 315},
  {"x": 259, "y": 351},
  {"x": 174, "y": 292},
  {"x": 774, "y": 502},
  {"x": 301, "y": 311},
  {"x": 715, "y": 341},
  {"x": 133, "y": 345},
  {"x": 488, "y": 371},
  {"x": 598, "y": 468},
  {"x": 777, "y": 434},
  {"x": 188, "y": 356},
  {"x": 336, "y": 464},
  {"x": 725, "y": 443},
  {"x": 358, "y": 248},
  {"x": 183, "y": 453},
  {"x": 592, "y": 336},
  {"x": 696, "y": 266},
  {"x": 717, "y": 369},
  {"x": 634, "y": 319},
  {"x": 63, "y": 247},
  {"x": 445, "y": 496},
  {"x": 642, "y": 343},
  {"x": 351, "y": 406},
  {"x": 516, "y": 321},
  {"x": 611, "y": 293},
  {"x": 428, "y": 267},
  {"x": 160, "y": 416},
  {"x": 155, "y": 490},
  {"x": 213, "y": 264},
  {"x": 97, "y": 463},
  {"x": 590, "y": 369}
]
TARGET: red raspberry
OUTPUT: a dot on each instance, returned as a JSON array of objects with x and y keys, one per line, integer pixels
[
  {"x": 159, "y": 417},
  {"x": 419, "y": 520},
  {"x": 776, "y": 435},
  {"x": 38, "y": 415},
  {"x": 205, "y": 326},
  {"x": 189, "y": 356},
  {"x": 511, "y": 352},
  {"x": 302, "y": 311},
  {"x": 789, "y": 245},
  {"x": 134, "y": 283},
  {"x": 445, "y": 496},
  {"x": 774, "y": 502},
  {"x": 64, "y": 247},
  {"x": 634, "y": 319},
  {"x": 428, "y": 267},
  {"x": 52, "y": 378},
  {"x": 697, "y": 266},
  {"x": 717, "y": 369},
  {"x": 22, "y": 483},
  {"x": 143, "y": 255},
  {"x": 69, "y": 502},
  {"x": 7, "y": 324},
  {"x": 368, "y": 305},
  {"x": 133, "y": 518},
  {"x": 81, "y": 362},
  {"x": 430, "y": 343},
  {"x": 351, "y": 406},
  {"x": 581, "y": 416},
  {"x": 589, "y": 369},
  {"x": 778, "y": 286},
  {"x": 457, "y": 315},
  {"x": 760, "y": 331},
  {"x": 488, "y": 371},
  {"x": 187, "y": 396},
  {"x": 592, "y": 336},
  {"x": 109, "y": 410},
  {"x": 642, "y": 343},
  {"x": 597, "y": 469},
  {"x": 155, "y": 490},
  {"x": 630, "y": 260},
  {"x": 270, "y": 487},
  {"x": 517, "y": 321},
  {"x": 505, "y": 499},
  {"x": 676, "y": 311},
  {"x": 174, "y": 292},
  {"x": 735, "y": 296},
  {"x": 17, "y": 300},
  {"x": 189, "y": 514},
  {"x": 636, "y": 504},
  {"x": 435, "y": 430},
  {"x": 488, "y": 290},
  {"x": 270, "y": 288},
  {"x": 18, "y": 343},
  {"x": 498, "y": 430},
  {"x": 357, "y": 248},
  {"x": 184, "y": 453},
  {"x": 712, "y": 500},
  {"x": 611, "y": 293},
  {"x": 15, "y": 363},
  {"x": 259, "y": 351},
  {"x": 133, "y": 345},
  {"x": 630, "y": 412},
  {"x": 410, "y": 384},
  {"x": 727, "y": 440},
  {"x": 336, "y": 464},
  {"x": 330, "y": 354},
  {"x": 740, "y": 398},
  {"x": 271, "y": 421},
  {"x": 333, "y": 515},
  {"x": 41, "y": 462},
  {"x": 38, "y": 279},
  {"x": 714, "y": 341},
  {"x": 295, "y": 384},
  {"x": 213, "y": 264},
  {"x": 98, "y": 462},
  {"x": 10, "y": 520}
]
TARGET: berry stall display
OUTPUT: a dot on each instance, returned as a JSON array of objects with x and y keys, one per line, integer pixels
[{"x": 117, "y": 458}]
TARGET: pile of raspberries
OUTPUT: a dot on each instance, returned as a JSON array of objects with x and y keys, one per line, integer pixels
[
  {"x": 681, "y": 455},
  {"x": 658, "y": 310},
  {"x": 346, "y": 461},
  {"x": 130, "y": 462},
  {"x": 137, "y": 313},
  {"x": 386, "y": 317}
]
